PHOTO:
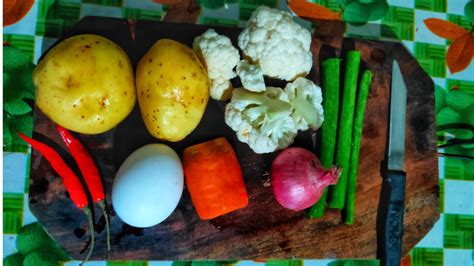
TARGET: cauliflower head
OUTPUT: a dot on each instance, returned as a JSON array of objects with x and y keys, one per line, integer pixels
[
  {"x": 220, "y": 58},
  {"x": 277, "y": 43},
  {"x": 251, "y": 76},
  {"x": 306, "y": 98},
  {"x": 262, "y": 120}
]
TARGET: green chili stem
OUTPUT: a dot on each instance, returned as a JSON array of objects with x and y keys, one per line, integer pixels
[
  {"x": 88, "y": 213},
  {"x": 107, "y": 225}
]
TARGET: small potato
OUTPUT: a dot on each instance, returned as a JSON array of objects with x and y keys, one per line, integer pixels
[
  {"x": 85, "y": 84},
  {"x": 172, "y": 89}
]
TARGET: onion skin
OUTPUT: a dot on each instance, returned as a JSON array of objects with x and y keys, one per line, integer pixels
[{"x": 298, "y": 179}]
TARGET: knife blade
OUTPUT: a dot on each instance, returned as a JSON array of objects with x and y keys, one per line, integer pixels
[
  {"x": 398, "y": 103},
  {"x": 392, "y": 201}
]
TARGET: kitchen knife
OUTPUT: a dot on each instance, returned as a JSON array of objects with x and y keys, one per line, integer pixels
[{"x": 392, "y": 203}]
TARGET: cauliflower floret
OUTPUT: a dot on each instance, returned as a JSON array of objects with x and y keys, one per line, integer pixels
[
  {"x": 251, "y": 76},
  {"x": 220, "y": 58},
  {"x": 221, "y": 89},
  {"x": 306, "y": 99},
  {"x": 262, "y": 120},
  {"x": 277, "y": 43}
]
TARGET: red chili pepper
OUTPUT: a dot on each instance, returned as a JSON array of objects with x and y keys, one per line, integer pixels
[
  {"x": 89, "y": 171},
  {"x": 86, "y": 164},
  {"x": 70, "y": 180}
]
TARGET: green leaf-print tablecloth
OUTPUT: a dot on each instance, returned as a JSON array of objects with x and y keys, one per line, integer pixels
[{"x": 450, "y": 242}]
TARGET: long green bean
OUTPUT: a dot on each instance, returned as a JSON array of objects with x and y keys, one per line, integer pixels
[
  {"x": 330, "y": 85},
  {"x": 364, "y": 87},
  {"x": 343, "y": 150}
]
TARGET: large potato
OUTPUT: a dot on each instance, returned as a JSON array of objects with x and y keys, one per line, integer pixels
[
  {"x": 85, "y": 84},
  {"x": 173, "y": 90}
]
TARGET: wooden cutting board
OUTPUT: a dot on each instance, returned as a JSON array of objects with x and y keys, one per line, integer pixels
[{"x": 263, "y": 229}]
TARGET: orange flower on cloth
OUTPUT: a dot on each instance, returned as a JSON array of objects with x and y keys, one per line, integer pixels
[
  {"x": 15, "y": 10},
  {"x": 461, "y": 51},
  {"x": 310, "y": 11}
]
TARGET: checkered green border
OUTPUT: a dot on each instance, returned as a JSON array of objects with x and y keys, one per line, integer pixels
[{"x": 451, "y": 245}]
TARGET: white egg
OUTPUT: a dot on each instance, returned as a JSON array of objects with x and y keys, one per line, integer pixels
[{"x": 148, "y": 186}]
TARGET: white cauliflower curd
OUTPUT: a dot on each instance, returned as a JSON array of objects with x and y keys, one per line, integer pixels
[
  {"x": 269, "y": 121},
  {"x": 220, "y": 58},
  {"x": 251, "y": 76},
  {"x": 278, "y": 44},
  {"x": 306, "y": 98},
  {"x": 262, "y": 120}
]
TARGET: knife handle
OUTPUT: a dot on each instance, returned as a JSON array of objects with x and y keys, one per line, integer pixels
[{"x": 393, "y": 233}]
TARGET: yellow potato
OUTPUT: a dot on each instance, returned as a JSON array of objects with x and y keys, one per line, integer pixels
[
  {"x": 85, "y": 84},
  {"x": 172, "y": 89}
]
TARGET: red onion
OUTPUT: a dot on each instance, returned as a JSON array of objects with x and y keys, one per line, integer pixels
[{"x": 298, "y": 179}]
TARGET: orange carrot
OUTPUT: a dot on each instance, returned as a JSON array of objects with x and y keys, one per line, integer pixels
[{"x": 214, "y": 178}]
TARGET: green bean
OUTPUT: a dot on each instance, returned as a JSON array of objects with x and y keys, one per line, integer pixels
[
  {"x": 343, "y": 150},
  {"x": 364, "y": 87},
  {"x": 330, "y": 85}
]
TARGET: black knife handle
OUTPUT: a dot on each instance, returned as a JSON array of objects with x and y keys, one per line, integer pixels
[{"x": 393, "y": 227}]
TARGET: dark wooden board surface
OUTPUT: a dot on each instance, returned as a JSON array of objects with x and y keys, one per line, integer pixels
[{"x": 263, "y": 229}]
